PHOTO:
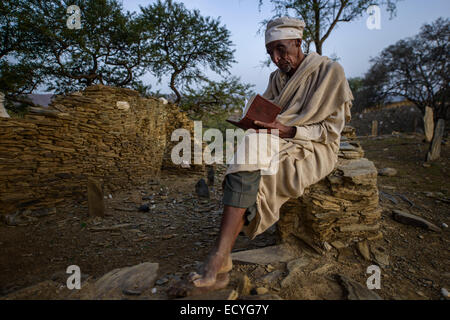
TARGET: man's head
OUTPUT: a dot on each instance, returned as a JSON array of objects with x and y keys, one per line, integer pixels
[
  {"x": 286, "y": 54},
  {"x": 283, "y": 42}
]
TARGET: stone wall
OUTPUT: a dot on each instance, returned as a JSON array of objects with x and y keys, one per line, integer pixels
[
  {"x": 342, "y": 207},
  {"x": 111, "y": 134}
]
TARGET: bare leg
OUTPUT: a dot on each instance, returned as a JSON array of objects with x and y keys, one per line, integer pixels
[{"x": 231, "y": 225}]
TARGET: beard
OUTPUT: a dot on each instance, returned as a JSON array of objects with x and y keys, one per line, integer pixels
[{"x": 285, "y": 68}]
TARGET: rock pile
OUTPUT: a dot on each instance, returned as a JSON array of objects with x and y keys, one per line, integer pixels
[{"x": 342, "y": 207}]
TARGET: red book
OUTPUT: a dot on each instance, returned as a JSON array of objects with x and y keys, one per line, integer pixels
[{"x": 259, "y": 109}]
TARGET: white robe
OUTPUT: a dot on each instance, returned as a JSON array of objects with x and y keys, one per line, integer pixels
[{"x": 317, "y": 100}]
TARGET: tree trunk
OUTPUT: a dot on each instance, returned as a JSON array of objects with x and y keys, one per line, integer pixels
[
  {"x": 3, "y": 113},
  {"x": 317, "y": 18},
  {"x": 318, "y": 48},
  {"x": 435, "y": 147},
  {"x": 428, "y": 124},
  {"x": 174, "y": 89}
]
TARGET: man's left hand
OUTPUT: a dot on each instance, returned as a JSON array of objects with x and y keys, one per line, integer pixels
[{"x": 284, "y": 131}]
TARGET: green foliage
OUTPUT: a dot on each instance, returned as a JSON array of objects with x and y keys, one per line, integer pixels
[
  {"x": 116, "y": 48},
  {"x": 364, "y": 93},
  {"x": 227, "y": 94},
  {"x": 215, "y": 101},
  {"x": 322, "y": 16},
  {"x": 415, "y": 68},
  {"x": 107, "y": 49},
  {"x": 183, "y": 42}
]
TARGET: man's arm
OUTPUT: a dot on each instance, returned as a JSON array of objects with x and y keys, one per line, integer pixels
[{"x": 324, "y": 132}]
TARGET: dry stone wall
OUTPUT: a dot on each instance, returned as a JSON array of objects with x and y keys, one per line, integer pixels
[{"x": 110, "y": 134}]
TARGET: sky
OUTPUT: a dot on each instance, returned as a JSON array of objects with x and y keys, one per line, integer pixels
[{"x": 353, "y": 43}]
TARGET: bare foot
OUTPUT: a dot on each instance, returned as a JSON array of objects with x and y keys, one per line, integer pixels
[
  {"x": 216, "y": 264},
  {"x": 186, "y": 288}
]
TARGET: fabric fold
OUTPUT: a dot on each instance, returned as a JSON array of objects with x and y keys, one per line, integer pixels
[{"x": 317, "y": 99}]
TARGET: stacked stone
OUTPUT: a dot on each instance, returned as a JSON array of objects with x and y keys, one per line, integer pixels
[
  {"x": 111, "y": 134},
  {"x": 342, "y": 207}
]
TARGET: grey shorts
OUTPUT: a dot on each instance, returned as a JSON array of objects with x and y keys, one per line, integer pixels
[{"x": 240, "y": 190}]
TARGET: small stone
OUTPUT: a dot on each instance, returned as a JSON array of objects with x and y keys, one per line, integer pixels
[
  {"x": 426, "y": 165},
  {"x": 380, "y": 257},
  {"x": 420, "y": 236},
  {"x": 445, "y": 293},
  {"x": 272, "y": 278},
  {"x": 262, "y": 290},
  {"x": 123, "y": 105},
  {"x": 420, "y": 293},
  {"x": 210, "y": 171},
  {"x": 356, "y": 291},
  {"x": 338, "y": 244},
  {"x": 163, "y": 100},
  {"x": 363, "y": 249},
  {"x": 144, "y": 208},
  {"x": 161, "y": 281},
  {"x": 201, "y": 188},
  {"x": 130, "y": 292},
  {"x": 298, "y": 264},
  {"x": 154, "y": 290},
  {"x": 264, "y": 256},
  {"x": 327, "y": 246},
  {"x": 444, "y": 225},
  {"x": 244, "y": 285},
  {"x": 270, "y": 268},
  {"x": 408, "y": 218},
  {"x": 387, "y": 172}
]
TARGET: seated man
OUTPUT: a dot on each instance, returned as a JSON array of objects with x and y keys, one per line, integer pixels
[{"x": 315, "y": 98}]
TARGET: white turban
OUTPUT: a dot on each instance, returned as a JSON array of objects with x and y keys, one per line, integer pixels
[{"x": 284, "y": 28}]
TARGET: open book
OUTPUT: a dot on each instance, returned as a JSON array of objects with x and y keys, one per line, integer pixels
[{"x": 258, "y": 108}]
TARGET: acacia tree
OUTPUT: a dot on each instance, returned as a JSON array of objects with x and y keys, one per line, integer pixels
[
  {"x": 323, "y": 16},
  {"x": 215, "y": 96},
  {"x": 18, "y": 71},
  {"x": 107, "y": 49},
  {"x": 416, "y": 68},
  {"x": 183, "y": 42}
]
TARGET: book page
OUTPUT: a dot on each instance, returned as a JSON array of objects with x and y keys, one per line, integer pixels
[{"x": 249, "y": 103}]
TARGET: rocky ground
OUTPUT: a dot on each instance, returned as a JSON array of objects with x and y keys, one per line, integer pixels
[{"x": 179, "y": 229}]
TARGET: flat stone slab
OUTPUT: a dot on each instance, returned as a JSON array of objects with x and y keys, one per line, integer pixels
[
  {"x": 356, "y": 291},
  {"x": 263, "y": 256},
  {"x": 360, "y": 171},
  {"x": 408, "y": 218},
  {"x": 125, "y": 281}
]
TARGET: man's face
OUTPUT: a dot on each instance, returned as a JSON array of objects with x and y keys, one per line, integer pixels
[{"x": 286, "y": 54}]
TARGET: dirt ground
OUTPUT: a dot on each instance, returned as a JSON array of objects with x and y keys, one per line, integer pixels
[{"x": 180, "y": 228}]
